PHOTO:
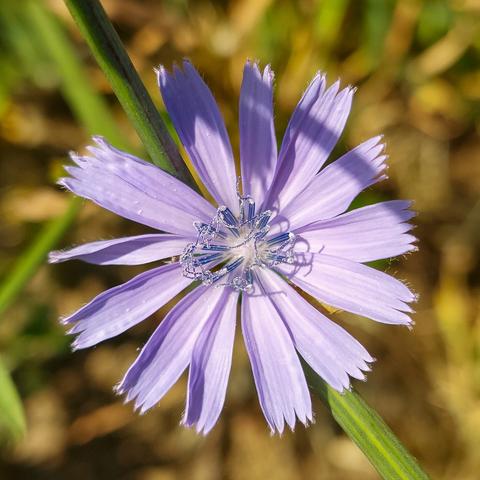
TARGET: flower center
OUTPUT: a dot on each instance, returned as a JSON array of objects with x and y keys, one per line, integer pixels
[{"x": 229, "y": 248}]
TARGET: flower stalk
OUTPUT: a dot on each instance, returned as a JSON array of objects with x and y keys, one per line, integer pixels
[
  {"x": 367, "y": 430},
  {"x": 113, "y": 59}
]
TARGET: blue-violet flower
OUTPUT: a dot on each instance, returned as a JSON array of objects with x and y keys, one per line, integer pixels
[{"x": 281, "y": 228}]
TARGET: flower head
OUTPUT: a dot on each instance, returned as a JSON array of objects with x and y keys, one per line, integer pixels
[{"x": 284, "y": 225}]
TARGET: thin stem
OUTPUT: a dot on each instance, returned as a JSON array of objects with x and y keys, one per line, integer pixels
[
  {"x": 368, "y": 430},
  {"x": 110, "y": 54}
]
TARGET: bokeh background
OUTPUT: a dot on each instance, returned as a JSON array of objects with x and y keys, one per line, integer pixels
[{"x": 417, "y": 66}]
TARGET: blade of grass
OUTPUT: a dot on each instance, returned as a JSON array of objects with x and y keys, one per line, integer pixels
[
  {"x": 328, "y": 22},
  {"x": 12, "y": 417},
  {"x": 110, "y": 54},
  {"x": 16, "y": 42},
  {"x": 52, "y": 41},
  {"x": 35, "y": 254},
  {"x": 112, "y": 57},
  {"x": 89, "y": 108},
  {"x": 368, "y": 430},
  {"x": 378, "y": 16}
]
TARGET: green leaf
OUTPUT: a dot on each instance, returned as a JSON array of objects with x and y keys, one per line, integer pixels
[
  {"x": 367, "y": 429},
  {"x": 12, "y": 417},
  {"x": 110, "y": 54}
]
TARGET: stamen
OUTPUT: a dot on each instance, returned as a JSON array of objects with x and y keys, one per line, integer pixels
[
  {"x": 251, "y": 209},
  {"x": 233, "y": 265},
  {"x": 263, "y": 219},
  {"x": 227, "y": 216},
  {"x": 203, "y": 260},
  {"x": 279, "y": 238},
  {"x": 228, "y": 219},
  {"x": 249, "y": 276},
  {"x": 237, "y": 242},
  {"x": 216, "y": 248},
  {"x": 247, "y": 209}
]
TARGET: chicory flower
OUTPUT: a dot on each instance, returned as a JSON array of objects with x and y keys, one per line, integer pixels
[{"x": 281, "y": 228}]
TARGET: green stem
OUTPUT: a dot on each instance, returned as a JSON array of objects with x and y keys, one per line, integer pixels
[
  {"x": 129, "y": 89},
  {"x": 367, "y": 429}
]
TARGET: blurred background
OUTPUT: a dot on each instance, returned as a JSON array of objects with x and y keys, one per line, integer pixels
[{"x": 417, "y": 66}]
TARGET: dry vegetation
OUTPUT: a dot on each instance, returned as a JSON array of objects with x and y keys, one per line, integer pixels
[{"x": 417, "y": 66}]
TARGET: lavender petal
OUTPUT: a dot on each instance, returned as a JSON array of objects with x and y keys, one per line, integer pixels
[
  {"x": 136, "y": 190},
  {"x": 279, "y": 378},
  {"x": 202, "y": 131},
  {"x": 258, "y": 145},
  {"x": 210, "y": 365},
  {"x": 351, "y": 286},
  {"x": 379, "y": 231},
  {"x": 313, "y": 131},
  {"x": 169, "y": 350},
  {"x": 120, "y": 308},
  {"x": 334, "y": 188},
  {"x": 136, "y": 250},
  {"x": 326, "y": 347}
]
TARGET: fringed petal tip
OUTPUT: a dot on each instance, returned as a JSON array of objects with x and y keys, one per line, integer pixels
[
  {"x": 128, "y": 398},
  {"x": 410, "y": 326},
  {"x": 359, "y": 373},
  {"x": 363, "y": 368},
  {"x": 55, "y": 256},
  {"x": 120, "y": 390},
  {"x": 81, "y": 341},
  {"x": 200, "y": 428},
  {"x": 63, "y": 182},
  {"x": 101, "y": 142},
  {"x": 268, "y": 74},
  {"x": 139, "y": 406},
  {"x": 136, "y": 407},
  {"x": 163, "y": 73},
  {"x": 66, "y": 320},
  {"x": 76, "y": 345},
  {"x": 74, "y": 156},
  {"x": 348, "y": 90},
  {"x": 305, "y": 420},
  {"x": 410, "y": 297}
]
